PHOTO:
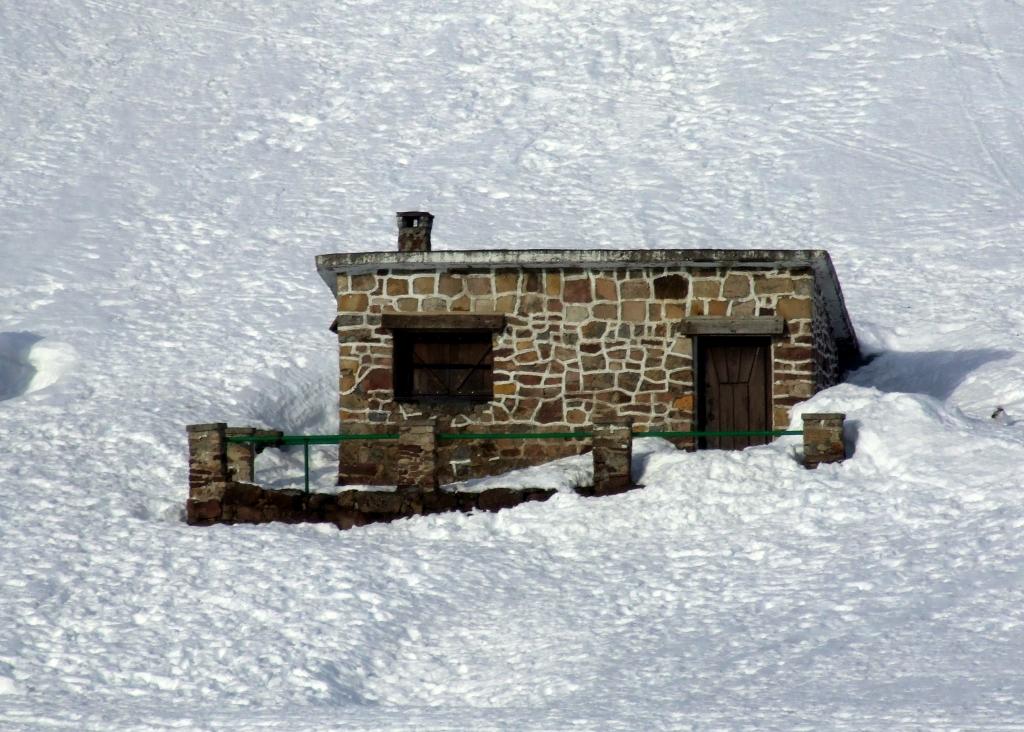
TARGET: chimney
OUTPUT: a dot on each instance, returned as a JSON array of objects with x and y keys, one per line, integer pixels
[{"x": 414, "y": 231}]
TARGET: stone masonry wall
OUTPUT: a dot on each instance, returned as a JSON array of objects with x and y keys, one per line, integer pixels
[
  {"x": 827, "y": 370},
  {"x": 245, "y": 503},
  {"x": 578, "y": 346}
]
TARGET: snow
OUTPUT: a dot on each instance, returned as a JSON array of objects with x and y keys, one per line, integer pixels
[{"x": 169, "y": 172}]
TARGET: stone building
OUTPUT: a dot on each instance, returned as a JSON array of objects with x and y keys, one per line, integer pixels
[{"x": 553, "y": 340}]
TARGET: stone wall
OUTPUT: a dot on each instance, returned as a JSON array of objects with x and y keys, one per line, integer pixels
[
  {"x": 215, "y": 498},
  {"x": 827, "y": 369},
  {"x": 578, "y": 346},
  {"x": 245, "y": 503}
]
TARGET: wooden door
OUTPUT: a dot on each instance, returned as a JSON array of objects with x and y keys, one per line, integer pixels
[{"x": 734, "y": 391}]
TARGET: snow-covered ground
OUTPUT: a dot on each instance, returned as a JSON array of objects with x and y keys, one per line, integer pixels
[{"x": 168, "y": 170}]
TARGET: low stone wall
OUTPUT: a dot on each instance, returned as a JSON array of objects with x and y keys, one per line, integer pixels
[
  {"x": 245, "y": 503},
  {"x": 216, "y": 496}
]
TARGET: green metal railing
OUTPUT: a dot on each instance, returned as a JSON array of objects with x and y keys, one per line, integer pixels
[
  {"x": 733, "y": 433},
  {"x": 307, "y": 440}
]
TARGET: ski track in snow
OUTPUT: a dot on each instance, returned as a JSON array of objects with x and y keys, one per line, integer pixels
[{"x": 169, "y": 170}]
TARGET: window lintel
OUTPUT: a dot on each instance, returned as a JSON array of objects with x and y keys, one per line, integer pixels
[{"x": 443, "y": 321}]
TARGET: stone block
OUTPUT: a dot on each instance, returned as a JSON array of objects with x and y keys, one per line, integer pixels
[
  {"x": 772, "y": 285},
  {"x": 707, "y": 288},
  {"x": 377, "y": 379},
  {"x": 550, "y": 411},
  {"x": 449, "y": 285},
  {"x": 671, "y": 287},
  {"x": 683, "y": 403},
  {"x": 792, "y": 308},
  {"x": 243, "y": 494},
  {"x": 718, "y": 307},
  {"x": 577, "y": 291},
  {"x": 612, "y": 455},
  {"x": 319, "y": 503},
  {"x": 635, "y": 289},
  {"x": 674, "y": 312},
  {"x": 495, "y": 499},
  {"x": 353, "y": 302},
  {"x": 439, "y": 502},
  {"x": 823, "y": 438},
  {"x": 784, "y": 352},
  {"x": 576, "y": 314},
  {"x": 423, "y": 285},
  {"x": 346, "y": 499},
  {"x": 506, "y": 281},
  {"x": 605, "y": 289},
  {"x": 634, "y": 311},
  {"x": 284, "y": 500},
  {"x": 202, "y": 511},
  {"x": 397, "y": 286},
  {"x": 208, "y": 492},
  {"x": 480, "y": 285},
  {"x": 379, "y": 503},
  {"x": 744, "y": 309},
  {"x": 363, "y": 282},
  {"x": 736, "y": 286}
]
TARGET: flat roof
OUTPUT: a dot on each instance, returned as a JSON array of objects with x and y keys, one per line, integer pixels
[{"x": 818, "y": 260}]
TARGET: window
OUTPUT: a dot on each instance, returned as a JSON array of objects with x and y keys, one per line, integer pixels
[{"x": 443, "y": 366}]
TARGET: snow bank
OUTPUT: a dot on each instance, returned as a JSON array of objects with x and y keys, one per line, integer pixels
[{"x": 171, "y": 170}]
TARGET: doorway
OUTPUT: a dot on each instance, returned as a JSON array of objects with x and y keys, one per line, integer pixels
[{"x": 733, "y": 390}]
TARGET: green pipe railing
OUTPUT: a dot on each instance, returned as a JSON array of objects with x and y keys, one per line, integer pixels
[
  {"x": 307, "y": 440},
  {"x": 734, "y": 433}
]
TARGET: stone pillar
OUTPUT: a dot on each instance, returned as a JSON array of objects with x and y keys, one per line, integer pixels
[
  {"x": 416, "y": 465},
  {"x": 823, "y": 439},
  {"x": 207, "y": 472},
  {"x": 207, "y": 460},
  {"x": 613, "y": 452},
  {"x": 242, "y": 455}
]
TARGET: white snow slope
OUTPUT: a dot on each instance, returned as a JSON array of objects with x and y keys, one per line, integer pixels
[{"x": 169, "y": 169}]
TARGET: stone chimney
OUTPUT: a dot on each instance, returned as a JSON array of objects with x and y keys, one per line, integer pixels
[{"x": 414, "y": 231}]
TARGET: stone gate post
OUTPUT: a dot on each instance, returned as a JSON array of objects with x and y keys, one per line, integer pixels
[
  {"x": 613, "y": 452},
  {"x": 241, "y": 455},
  {"x": 823, "y": 438},
  {"x": 207, "y": 471}
]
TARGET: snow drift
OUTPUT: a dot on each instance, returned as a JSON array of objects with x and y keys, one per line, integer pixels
[{"x": 170, "y": 171}]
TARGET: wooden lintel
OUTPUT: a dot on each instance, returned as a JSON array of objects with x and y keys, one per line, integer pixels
[
  {"x": 717, "y": 325},
  {"x": 442, "y": 321}
]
